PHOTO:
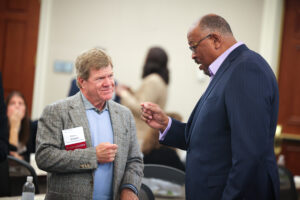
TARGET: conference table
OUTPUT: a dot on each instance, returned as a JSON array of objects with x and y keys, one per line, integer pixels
[{"x": 36, "y": 197}]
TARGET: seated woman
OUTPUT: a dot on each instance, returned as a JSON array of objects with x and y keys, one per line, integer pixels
[
  {"x": 22, "y": 131},
  {"x": 155, "y": 153}
]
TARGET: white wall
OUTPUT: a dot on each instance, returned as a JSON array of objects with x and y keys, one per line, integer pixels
[{"x": 126, "y": 29}]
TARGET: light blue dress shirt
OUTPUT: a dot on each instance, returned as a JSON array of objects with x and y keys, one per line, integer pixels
[{"x": 101, "y": 131}]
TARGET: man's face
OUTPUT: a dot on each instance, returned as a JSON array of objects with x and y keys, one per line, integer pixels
[
  {"x": 99, "y": 87},
  {"x": 201, "y": 45}
]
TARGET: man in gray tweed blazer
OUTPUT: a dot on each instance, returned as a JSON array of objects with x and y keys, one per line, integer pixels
[{"x": 87, "y": 143}]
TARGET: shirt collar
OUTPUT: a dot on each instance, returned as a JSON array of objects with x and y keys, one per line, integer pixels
[
  {"x": 214, "y": 66},
  {"x": 88, "y": 106}
]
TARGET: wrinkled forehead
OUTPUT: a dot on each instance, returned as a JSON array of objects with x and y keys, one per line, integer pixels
[{"x": 193, "y": 34}]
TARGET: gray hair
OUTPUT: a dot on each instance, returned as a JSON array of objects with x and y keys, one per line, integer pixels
[
  {"x": 214, "y": 22},
  {"x": 92, "y": 59}
]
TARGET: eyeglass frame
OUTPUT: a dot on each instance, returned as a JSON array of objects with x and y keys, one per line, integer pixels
[{"x": 194, "y": 47}]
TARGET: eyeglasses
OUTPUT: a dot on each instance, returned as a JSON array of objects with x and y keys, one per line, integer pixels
[{"x": 194, "y": 47}]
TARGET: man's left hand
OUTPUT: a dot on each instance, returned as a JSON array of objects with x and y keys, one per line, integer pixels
[{"x": 128, "y": 194}]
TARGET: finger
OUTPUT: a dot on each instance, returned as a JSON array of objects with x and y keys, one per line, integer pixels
[
  {"x": 151, "y": 106},
  {"x": 113, "y": 146},
  {"x": 144, "y": 118},
  {"x": 147, "y": 116}
]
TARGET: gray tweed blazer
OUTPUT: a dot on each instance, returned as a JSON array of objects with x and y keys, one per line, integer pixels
[{"x": 70, "y": 173}]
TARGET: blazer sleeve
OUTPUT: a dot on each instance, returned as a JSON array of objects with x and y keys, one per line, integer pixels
[
  {"x": 134, "y": 164},
  {"x": 249, "y": 98},
  {"x": 51, "y": 155}
]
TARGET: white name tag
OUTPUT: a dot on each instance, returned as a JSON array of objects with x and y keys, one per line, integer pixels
[{"x": 74, "y": 138}]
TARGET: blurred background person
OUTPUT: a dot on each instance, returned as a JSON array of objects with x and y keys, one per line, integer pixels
[
  {"x": 22, "y": 131},
  {"x": 155, "y": 153},
  {"x": 153, "y": 88}
]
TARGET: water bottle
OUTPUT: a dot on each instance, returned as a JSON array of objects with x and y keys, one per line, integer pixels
[{"x": 28, "y": 189}]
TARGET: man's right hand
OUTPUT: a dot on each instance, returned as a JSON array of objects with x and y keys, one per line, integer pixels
[
  {"x": 153, "y": 115},
  {"x": 106, "y": 152}
]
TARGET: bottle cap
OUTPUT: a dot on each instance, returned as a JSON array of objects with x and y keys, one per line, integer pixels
[{"x": 29, "y": 179}]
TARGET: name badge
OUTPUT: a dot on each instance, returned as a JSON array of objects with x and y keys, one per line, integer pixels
[{"x": 74, "y": 138}]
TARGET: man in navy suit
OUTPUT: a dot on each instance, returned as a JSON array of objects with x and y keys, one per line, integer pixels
[{"x": 230, "y": 133}]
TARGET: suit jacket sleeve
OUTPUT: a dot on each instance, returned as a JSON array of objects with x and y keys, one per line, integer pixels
[
  {"x": 51, "y": 155},
  {"x": 176, "y": 135},
  {"x": 249, "y": 98}
]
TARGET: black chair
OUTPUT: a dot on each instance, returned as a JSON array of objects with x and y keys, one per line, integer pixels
[
  {"x": 166, "y": 173},
  {"x": 287, "y": 185},
  {"x": 18, "y": 171},
  {"x": 4, "y": 183},
  {"x": 164, "y": 181},
  {"x": 145, "y": 193}
]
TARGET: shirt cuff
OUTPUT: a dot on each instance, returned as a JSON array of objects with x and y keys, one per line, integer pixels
[
  {"x": 162, "y": 135},
  {"x": 130, "y": 186}
]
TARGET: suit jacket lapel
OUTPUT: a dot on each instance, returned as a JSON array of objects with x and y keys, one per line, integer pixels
[
  {"x": 189, "y": 123},
  {"x": 79, "y": 118},
  {"x": 116, "y": 121},
  {"x": 224, "y": 66}
]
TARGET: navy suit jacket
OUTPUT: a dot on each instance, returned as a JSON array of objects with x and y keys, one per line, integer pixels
[{"x": 230, "y": 134}]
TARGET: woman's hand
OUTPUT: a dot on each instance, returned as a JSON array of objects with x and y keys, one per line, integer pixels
[
  {"x": 16, "y": 155},
  {"x": 15, "y": 119}
]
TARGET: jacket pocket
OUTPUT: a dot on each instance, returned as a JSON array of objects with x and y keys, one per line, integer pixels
[{"x": 217, "y": 180}]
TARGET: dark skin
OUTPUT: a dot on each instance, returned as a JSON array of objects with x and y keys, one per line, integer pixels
[
  {"x": 204, "y": 54},
  {"x": 209, "y": 49}
]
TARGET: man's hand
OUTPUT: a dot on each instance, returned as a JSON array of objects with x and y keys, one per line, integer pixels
[
  {"x": 106, "y": 152},
  {"x": 153, "y": 115},
  {"x": 128, "y": 194}
]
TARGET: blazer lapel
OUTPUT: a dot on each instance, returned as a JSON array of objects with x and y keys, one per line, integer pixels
[
  {"x": 116, "y": 123},
  {"x": 79, "y": 118}
]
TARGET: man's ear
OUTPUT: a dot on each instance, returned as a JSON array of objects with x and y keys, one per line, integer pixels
[
  {"x": 81, "y": 82},
  {"x": 217, "y": 39}
]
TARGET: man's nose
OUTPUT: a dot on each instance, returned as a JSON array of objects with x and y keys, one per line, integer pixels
[
  {"x": 107, "y": 81},
  {"x": 193, "y": 55}
]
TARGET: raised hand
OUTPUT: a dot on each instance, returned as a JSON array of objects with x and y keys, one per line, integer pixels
[
  {"x": 15, "y": 118},
  {"x": 154, "y": 116}
]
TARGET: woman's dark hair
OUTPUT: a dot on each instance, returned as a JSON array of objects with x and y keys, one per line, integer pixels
[
  {"x": 156, "y": 62},
  {"x": 25, "y": 123}
]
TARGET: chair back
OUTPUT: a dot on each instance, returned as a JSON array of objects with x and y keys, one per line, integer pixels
[
  {"x": 18, "y": 171},
  {"x": 166, "y": 173},
  {"x": 287, "y": 185},
  {"x": 164, "y": 181},
  {"x": 146, "y": 193}
]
